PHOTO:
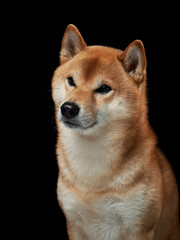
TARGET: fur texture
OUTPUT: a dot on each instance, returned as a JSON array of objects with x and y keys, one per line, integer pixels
[{"x": 114, "y": 183}]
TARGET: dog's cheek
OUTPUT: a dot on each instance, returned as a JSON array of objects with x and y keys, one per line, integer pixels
[
  {"x": 120, "y": 109},
  {"x": 103, "y": 114}
]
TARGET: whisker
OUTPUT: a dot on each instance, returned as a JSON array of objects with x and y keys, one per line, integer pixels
[
  {"x": 108, "y": 123},
  {"x": 57, "y": 101}
]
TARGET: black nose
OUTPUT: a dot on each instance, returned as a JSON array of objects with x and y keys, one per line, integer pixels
[{"x": 69, "y": 110}]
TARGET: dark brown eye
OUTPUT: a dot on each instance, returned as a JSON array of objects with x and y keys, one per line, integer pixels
[
  {"x": 71, "y": 82},
  {"x": 103, "y": 89}
]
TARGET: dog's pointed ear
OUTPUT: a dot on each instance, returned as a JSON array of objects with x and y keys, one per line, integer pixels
[
  {"x": 134, "y": 61},
  {"x": 72, "y": 43}
]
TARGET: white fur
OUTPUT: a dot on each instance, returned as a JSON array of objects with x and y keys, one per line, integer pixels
[
  {"x": 107, "y": 218},
  {"x": 87, "y": 156}
]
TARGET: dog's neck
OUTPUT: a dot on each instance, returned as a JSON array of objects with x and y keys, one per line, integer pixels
[{"x": 94, "y": 159}]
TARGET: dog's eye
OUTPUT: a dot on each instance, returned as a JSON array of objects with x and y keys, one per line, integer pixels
[
  {"x": 103, "y": 89},
  {"x": 71, "y": 82}
]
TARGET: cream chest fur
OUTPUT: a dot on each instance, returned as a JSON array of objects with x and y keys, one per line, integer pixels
[{"x": 109, "y": 217}]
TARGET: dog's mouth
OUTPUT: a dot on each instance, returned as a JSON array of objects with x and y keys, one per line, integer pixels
[
  {"x": 78, "y": 122},
  {"x": 77, "y": 125}
]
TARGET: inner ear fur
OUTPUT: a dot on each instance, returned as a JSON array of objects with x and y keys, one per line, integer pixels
[
  {"x": 134, "y": 61},
  {"x": 72, "y": 43}
]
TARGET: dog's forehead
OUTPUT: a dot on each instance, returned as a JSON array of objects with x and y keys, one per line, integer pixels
[
  {"x": 91, "y": 65},
  {"x": 98, "y": 60}
]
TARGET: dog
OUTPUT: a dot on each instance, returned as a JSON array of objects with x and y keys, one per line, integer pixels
[{"x": 114, "y": 182}]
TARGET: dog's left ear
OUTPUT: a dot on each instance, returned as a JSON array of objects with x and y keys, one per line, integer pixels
[
  {"x": 134, "y": 61},
  {"x": 72, "y": 43}
]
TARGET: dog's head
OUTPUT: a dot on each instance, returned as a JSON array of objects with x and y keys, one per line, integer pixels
[{"x": 96, "y": 87}]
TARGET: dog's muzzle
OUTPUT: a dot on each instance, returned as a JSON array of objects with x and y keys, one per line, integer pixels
[{"x": 69, "y": 114}]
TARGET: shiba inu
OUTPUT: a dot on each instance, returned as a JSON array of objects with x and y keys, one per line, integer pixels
[{"x": 114, "y": 182}]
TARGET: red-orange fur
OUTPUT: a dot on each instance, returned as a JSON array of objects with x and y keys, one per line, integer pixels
[{"x": 130, "y": 167}]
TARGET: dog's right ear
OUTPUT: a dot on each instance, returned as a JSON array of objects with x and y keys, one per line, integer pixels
[{"x": 72, "y": 43}]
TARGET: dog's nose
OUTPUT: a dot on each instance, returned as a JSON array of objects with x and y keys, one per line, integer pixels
[{"x": 69, "y": 110}]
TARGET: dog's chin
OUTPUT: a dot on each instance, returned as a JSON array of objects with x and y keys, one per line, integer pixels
[
  {"x": 96, "y": 129},
  {"x": 79, "y": 127}
]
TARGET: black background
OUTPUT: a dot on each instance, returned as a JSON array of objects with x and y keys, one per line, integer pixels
[{"x": 32, "y": 43}]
